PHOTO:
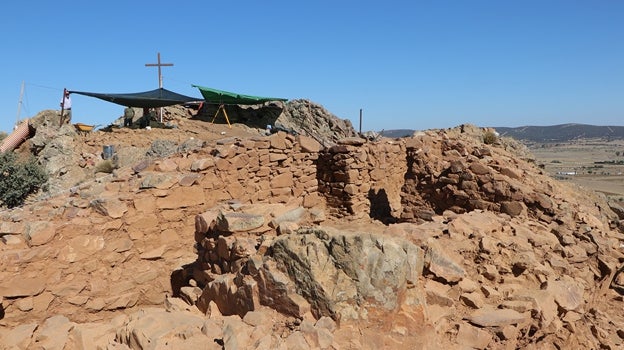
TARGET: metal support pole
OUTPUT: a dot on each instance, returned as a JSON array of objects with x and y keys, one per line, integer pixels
[{"x": 360, "y": 120}]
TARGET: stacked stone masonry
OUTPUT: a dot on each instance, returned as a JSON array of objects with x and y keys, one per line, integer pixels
[
  {"x": 276, "y": 169},
  {"x": 388, "y": 180},
  {"x": 353, "y": 178},
  {"x": 359, "y": 178}
]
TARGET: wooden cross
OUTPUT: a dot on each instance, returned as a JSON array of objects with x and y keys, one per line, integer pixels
[{"x": 159, "y": 65}]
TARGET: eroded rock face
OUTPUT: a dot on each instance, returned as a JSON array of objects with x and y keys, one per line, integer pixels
[
  {"x": 341, "y": 273},
  {"x": 296, "y": 117},
  {"x": 308, "y": 118}
]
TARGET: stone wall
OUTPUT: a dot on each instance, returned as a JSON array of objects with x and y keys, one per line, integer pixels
[
  {"x": 460, "y": 173},
  {"x": 280, "y": 168},
  {"x": 359, "y": 178},
  {"x": 353, "y": 178},
  {"x": 388, "y": 180}
]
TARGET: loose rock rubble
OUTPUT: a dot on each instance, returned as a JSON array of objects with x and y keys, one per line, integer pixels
[{"x": 253, "y": 241}]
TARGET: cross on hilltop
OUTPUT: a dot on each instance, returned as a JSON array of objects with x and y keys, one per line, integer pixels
[{"x": 159, "y": 72}]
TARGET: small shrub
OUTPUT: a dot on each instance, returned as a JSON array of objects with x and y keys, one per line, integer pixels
[
  {"x": 105, "y": 166},
  {"x": 490, "y": 137},
  {"x": 19, "y": 179}
]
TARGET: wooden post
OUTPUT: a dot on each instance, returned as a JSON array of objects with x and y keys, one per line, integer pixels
[
  {"x": 222, "y": 107},
  {"x": 160, "y": 84},
  {"x": 19, "y": 105}
]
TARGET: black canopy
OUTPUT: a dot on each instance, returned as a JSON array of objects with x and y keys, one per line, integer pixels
[{"x": 148, "y": 99}]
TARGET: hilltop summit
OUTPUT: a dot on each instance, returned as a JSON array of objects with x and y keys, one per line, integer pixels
[{"x": 199, "y": 235}]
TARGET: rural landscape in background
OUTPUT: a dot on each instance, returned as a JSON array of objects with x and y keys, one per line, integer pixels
[{"x": 588, "y": 155}]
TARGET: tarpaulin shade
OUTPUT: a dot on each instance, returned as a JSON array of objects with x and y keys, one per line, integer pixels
[
  {"x": 231, "y": 98},
  {"x": 148, "y": 99}
]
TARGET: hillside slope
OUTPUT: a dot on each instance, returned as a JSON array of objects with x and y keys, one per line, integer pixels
[{"x": 206, "y": 236}]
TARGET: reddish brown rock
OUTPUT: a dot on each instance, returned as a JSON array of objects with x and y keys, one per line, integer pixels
[
  {"x": 112, "y": 207},
  {"x": 473, "y": 337},
  {"x": 497, "y": 317},
  {"x": 205, "y": 221},
  {"x": 180, "y": 197},
  {"x": 39, "y": 233},
  {"x": 513, "y": 208},
  {"x": 165, "y": 165},
  {"x": 544, "y": 270},
  {"x": 308, "y": 144},
  {"x": 19, "y": 286},
  {"x": 238, "y": 222}
]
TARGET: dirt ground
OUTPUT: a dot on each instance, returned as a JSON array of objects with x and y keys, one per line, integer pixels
[{"x": 185, "y": 129}]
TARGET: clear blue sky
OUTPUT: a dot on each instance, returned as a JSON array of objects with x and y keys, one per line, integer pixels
[{"x": 407, "y": 64}]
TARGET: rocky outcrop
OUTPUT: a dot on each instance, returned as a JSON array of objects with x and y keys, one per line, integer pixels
[
  {"x": 340, "y": 275},
  {"x": 296, "y": 117},
  {"x": 311, "y": 119},
  {"x": 271, "y": 242}
]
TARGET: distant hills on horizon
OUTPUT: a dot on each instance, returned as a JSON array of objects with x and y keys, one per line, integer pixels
[
  {"x": 562, "y": 132},
  {"x": 551, "y": 133}
]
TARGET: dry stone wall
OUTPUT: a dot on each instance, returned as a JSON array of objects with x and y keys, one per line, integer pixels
[
  {"x": 359, "y": 178},
  {"x": 354, "y": 178},
  {"x": 390, "y": 180},
  {"x": 453, "y": 172},
  {"x": 276, "y": 169}
]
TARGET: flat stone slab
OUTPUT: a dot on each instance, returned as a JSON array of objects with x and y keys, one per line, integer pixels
[
  {"x": 239, "y": 222},
  {"x": 19, "y": 286},
  {"x": 496, "y": 317}
]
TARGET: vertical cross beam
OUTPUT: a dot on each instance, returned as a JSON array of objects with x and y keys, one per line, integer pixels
[
  {"x": 160, "y": 84},
  {"x": 159, "y": 72}
]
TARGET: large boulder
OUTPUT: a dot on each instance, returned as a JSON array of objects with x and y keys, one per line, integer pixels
[{"x": 341, "y": 274}]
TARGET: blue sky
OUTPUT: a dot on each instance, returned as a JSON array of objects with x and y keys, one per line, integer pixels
[{"x": 406, "y": 64}]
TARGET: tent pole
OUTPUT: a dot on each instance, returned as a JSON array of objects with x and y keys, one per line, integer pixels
[
  {"x": 360, "y": 121},
  {"x": 221, "y": 107},
  {"x": 215, "y": 116},
  {"x": 226, "y": 117},
  {"x": 19, "y": 104}
]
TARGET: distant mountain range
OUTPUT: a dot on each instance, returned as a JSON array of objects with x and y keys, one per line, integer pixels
[
  {"x": 552, "y": 133},
  {"x": 397, "y": 133},
  {"x": 562, "y": 132}
]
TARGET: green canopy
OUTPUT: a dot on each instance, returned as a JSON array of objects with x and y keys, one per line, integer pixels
[{"x": 232, "y": 98}]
